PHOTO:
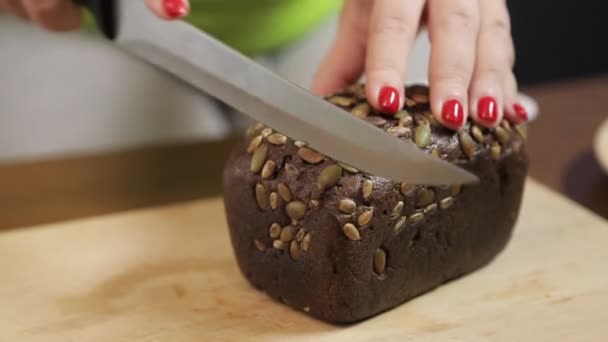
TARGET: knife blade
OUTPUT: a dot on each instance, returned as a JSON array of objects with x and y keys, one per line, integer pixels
[{"x": 217, "y": 70}]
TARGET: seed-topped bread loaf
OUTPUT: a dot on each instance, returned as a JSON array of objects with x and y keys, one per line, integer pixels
[{"x": 341, "y": 245}]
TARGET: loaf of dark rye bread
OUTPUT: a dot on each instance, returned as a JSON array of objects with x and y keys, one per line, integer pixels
[{"x": 341, "y": 245}]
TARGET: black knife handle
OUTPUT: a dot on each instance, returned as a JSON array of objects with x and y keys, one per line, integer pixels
[{"x": 104, "y": 12}]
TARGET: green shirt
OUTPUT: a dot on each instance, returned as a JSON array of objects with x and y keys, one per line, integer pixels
[{"x": 258, "y": 26}]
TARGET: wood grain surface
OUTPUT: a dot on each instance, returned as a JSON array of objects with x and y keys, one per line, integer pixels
[{"x": 168, "y": 274}]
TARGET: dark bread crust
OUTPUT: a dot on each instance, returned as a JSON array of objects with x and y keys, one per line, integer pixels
[{"x": 337, "y": 279}]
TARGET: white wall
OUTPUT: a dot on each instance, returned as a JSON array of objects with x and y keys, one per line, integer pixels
[{"x": 73, "y": 93}]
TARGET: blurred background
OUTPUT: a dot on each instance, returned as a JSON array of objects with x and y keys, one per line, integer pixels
[{"x": 144, "y": 140}]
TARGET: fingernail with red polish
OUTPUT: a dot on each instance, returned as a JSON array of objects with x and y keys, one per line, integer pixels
[
  {"x": 487, "y": 110},
  {"x": 452, "y": 113},
  {"x": 175, "y": 8},
  {"x": 520, "y": 112},
  {"x": 388, "y": 100}
]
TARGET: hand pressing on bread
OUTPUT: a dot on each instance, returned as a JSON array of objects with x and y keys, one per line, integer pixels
[
  {"x": 471, "y": 59},
  {"x": 65, "y": 15}
]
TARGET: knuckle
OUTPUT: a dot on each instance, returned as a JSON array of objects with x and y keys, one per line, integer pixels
[
  {"x": 459, "y": 18},
  {"x": 500, "y": 26},
  {"x": 392, "y": 24},
  {"x": 495, "y": 59},
  {"x": 358, "y": 33},
  {"x": 453, "y": 77},
  {"x": 384, "y": 67},
  {"x": 491, "y": 71},
  {"x": 499, "y": 54},
  {"x": 459, "y": 67}
]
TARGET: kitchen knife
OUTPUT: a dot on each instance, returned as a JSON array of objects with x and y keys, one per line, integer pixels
[{"x": 217, "y": 70}]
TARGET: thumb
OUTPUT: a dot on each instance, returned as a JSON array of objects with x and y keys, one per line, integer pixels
[
  {"x": 169, "y": 9},
  {"x": 345, "y": 60}
]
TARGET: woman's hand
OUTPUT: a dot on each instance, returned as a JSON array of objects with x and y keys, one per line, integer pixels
[
  {"x": 64, "y": 15},
  {"x": 471, "y": 59}
]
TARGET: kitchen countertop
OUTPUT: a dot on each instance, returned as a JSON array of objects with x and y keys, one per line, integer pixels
[
  {"x": 168, "y": 274},
  {"x": 560, "y": 148}
]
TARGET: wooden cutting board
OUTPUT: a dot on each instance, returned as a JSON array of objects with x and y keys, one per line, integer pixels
[{"x": 168, "y": 274}]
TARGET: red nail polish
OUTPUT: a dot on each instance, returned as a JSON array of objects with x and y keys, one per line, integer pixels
[
  {"x": 520, "y": 112},
  {"x": 487, "y": 110},
  {"x": 388, "y": 100},
  {"x": 175, "y": 8},
  {"x": 452, "y": 113}
]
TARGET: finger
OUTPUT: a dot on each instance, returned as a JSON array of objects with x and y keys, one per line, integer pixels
[
  {"x": 13, "y": 7},
  {"x": 514, "y": 111},
  {"x": 392, "y": 31},
  {"x": 344, "y": 62},
  {"x": 453, "y": 27},
  {"x": 493, "y": 63},
  {"x": 169, "y": 9},
  {"x": 56, "y": 15}
]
